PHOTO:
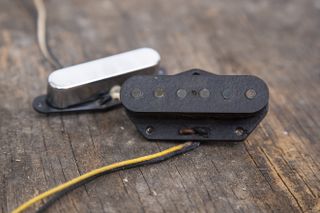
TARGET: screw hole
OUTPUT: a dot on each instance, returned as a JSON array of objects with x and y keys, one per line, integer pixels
[
  {"x": 195, "y": 73},
  {"x": 239, "y": 131},
  {"x": 149, "y": 130}
]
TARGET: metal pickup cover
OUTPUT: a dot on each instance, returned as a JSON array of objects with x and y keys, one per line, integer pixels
[
  {"x": 207, "y": 106},
  {"x": 81, "y": 87}
]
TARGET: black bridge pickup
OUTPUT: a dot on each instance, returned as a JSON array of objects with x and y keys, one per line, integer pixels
[{"x": 195, "y": 105}]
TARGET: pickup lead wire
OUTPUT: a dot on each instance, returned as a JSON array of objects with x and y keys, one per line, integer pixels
[
  {"x": 187, "y": 131},
  {"x": 41, "y": 34},
  {"x": 202, "y": 131},
  {"x": 70, "y": 185},
  {"x": 115, "y": 92}
]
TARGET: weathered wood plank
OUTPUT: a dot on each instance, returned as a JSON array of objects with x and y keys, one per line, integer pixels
[{"x": 276, "y": 169}]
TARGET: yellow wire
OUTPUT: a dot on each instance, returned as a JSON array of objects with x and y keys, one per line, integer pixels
[{"x": 65, "y": 185}]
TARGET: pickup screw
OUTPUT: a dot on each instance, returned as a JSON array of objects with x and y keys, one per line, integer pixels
[
  {"x": 159, "y": 93},
  {"x": 137, "y": 93},
  {"x": 251, "y": 93},
  {"x": 204, "y": 93},
  {"x": 181, "y": 93},
  {"x": 239, "y": 131},
  {"x": 149, "y": 130}
]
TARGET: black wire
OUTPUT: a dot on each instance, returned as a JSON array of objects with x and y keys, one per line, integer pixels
[{"x": 62, "y": 193}]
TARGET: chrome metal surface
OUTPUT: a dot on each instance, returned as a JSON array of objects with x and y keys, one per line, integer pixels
[{"x": 85, "y": 82}]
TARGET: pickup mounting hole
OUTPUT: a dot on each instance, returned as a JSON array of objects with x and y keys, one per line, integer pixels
[
  {"x": 239, "y": 131},
  {"x": 149, "y": 130}
]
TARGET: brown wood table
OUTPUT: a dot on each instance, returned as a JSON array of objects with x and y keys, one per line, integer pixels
[{"x": 276, "y": 170}]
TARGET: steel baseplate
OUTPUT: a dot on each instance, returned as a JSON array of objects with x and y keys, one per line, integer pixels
[
  {"x": 101, "y": 103},
  {"x": 195, "y": 105}
]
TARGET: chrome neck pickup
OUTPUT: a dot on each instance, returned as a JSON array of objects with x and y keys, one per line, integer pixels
[{"x": 88, "y": 86}]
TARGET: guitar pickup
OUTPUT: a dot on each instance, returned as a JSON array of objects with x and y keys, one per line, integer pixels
[
  {"x": 195, "y": 105},
  {"x": 89, "y": 86}
]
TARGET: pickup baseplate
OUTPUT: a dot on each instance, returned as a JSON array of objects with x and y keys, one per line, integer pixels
[{"x": 195, "y": 105}]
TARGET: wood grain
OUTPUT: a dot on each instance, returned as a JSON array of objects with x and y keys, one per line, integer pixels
[{"x": 276, "y": 170}]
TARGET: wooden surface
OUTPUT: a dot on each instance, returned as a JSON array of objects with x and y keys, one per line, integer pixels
[{"x": 276, "y": 170}]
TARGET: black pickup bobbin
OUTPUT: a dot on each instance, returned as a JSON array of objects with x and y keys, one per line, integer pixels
[{"x": 195, "y": 105}]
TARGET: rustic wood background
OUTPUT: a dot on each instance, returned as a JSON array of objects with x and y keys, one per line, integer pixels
[{"x": 277, "y": 169}]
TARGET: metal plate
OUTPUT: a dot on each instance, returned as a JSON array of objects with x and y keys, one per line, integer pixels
[
  {"x": 162, "y": 127},
  {"x": 85, "y": 82},
  {"x": 41, "y": 105}
]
